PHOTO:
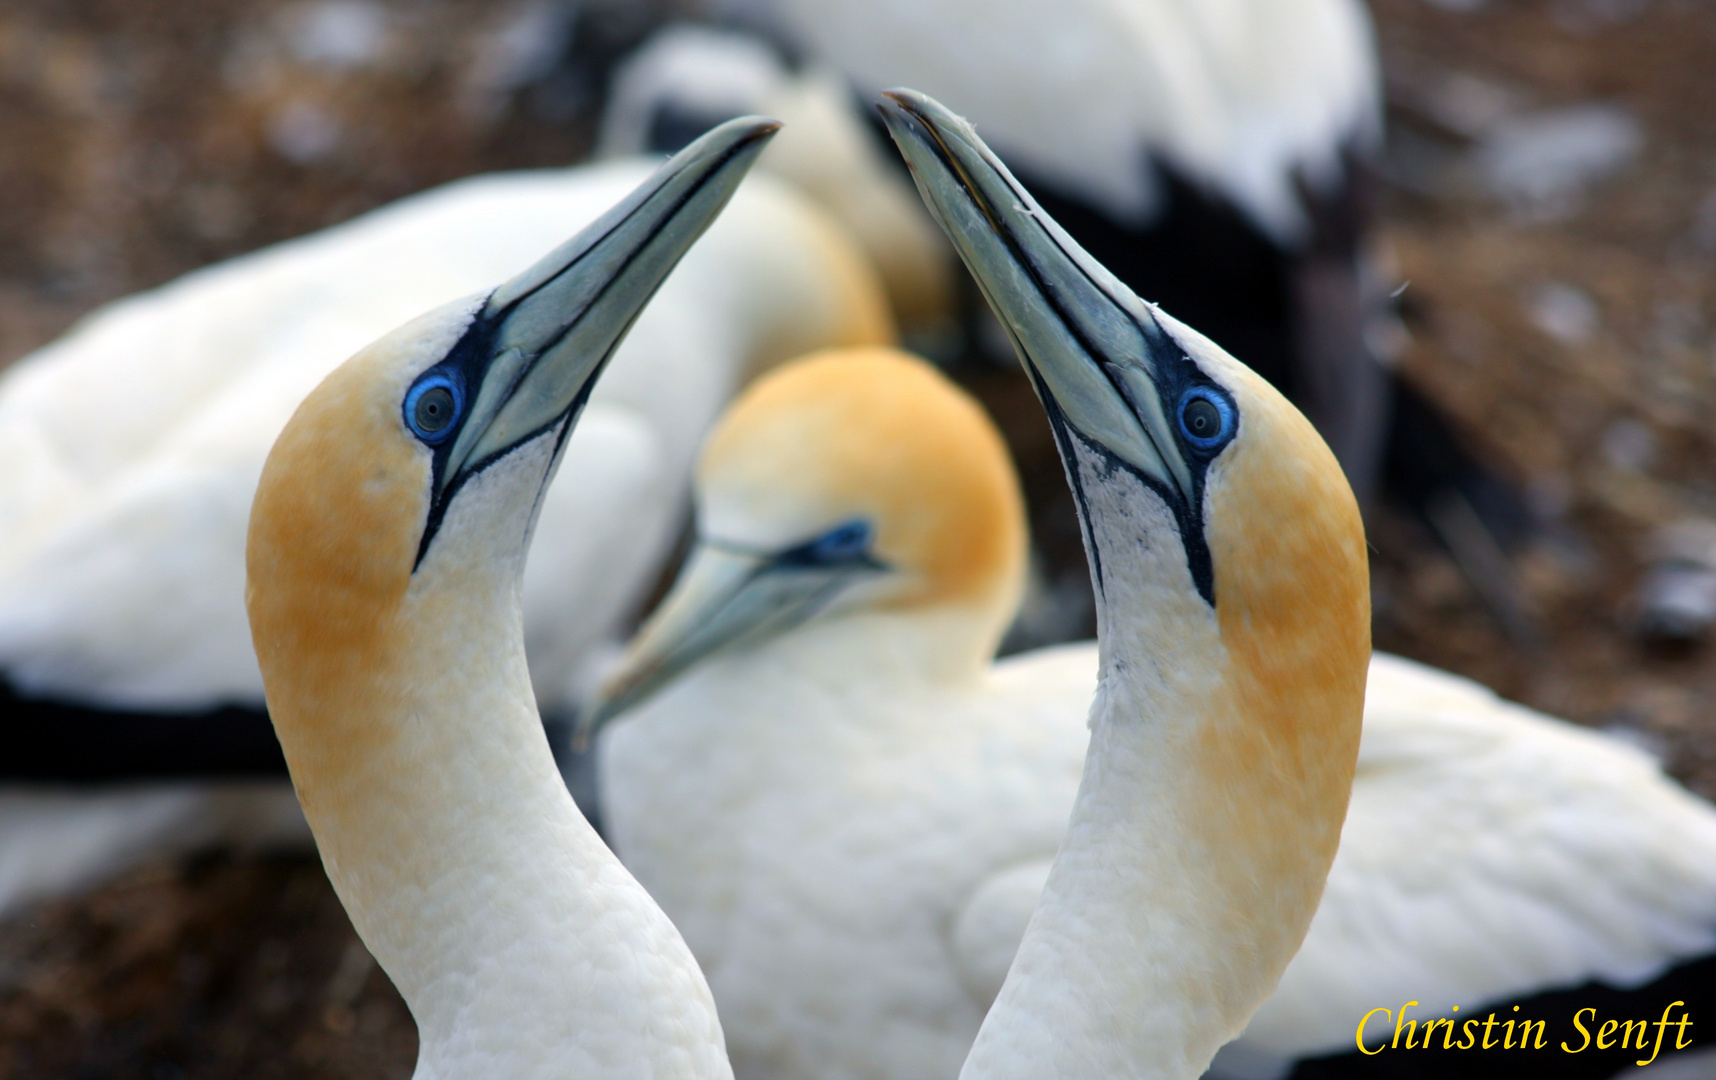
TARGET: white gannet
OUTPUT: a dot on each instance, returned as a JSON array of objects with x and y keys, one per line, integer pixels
[
  {"x": 1215, "y": 155},
  {"x": 133, "y": 444},
  {"x": 1232, "y": 588},
  {"x": 850, "y": 813},
  {"x": 386, "y": 567},
  {"x": 816, "y": 806}
]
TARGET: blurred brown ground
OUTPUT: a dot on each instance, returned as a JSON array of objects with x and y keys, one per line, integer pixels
[{"x": 1576, "y": 342}]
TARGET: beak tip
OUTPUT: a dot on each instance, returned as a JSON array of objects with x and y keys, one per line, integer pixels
[
  {"x": 746, "y": 130},
  {"x": 896, "y": 106},
  {"x": 904, "y": 97}
]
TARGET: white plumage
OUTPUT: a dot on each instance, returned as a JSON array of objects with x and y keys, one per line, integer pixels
[
  {"x": 852, "y": 827},
  {"x": 54, "y": 841},
  {"x": 1236, "y": 94},
  {"x": 1491, "y": 853},
  {"x": 851, "y": 819},
  {"x": 826, "y": 817},
  {"x": 385, "y": 563},
  {"x": 132, "y": 445}
]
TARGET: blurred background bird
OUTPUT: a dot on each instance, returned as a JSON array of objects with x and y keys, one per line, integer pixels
[
  {"x": 1218, "y": 158},
  {"x": 1542, "y": 189},
  {"x": 134, "y": 444}
]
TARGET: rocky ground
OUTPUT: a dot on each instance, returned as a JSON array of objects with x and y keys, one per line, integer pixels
[{"x": 1549, "y": 201}]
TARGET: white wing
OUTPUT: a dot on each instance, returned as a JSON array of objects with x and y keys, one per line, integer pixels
[
  {"x": 1491, "y": 852},
  {"x": 1047, "y": 694},
  {"x": 1237, "y": 94},
  {"x": 137, "y": 440}
]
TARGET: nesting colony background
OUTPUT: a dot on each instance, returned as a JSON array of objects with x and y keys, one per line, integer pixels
[{"x": 1549, "y": 197}]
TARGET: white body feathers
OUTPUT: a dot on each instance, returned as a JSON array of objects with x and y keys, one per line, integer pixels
[
  {"x": 853, "y": 850},
  {"x": 816, "y": 828},
  {"x": 133, "y": 446},
  {"x": 1237, "y": 95}
]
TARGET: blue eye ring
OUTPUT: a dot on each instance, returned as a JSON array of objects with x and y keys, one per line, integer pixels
[
  {"x": 1205, "y": 418},
  {"x": 844, "y": 544},
  {"x": 433, "y": 407}
]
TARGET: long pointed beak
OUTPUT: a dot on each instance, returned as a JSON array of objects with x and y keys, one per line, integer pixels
[
  {"x": 722, "y": 598},
  {"x": 1097, "y": 355},
  {"x": 534, "y": 352}
]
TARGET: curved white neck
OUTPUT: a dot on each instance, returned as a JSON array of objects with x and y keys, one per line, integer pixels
[
  {"x": 521, "y": 945},
  {"x": 1147, "y": 951}
]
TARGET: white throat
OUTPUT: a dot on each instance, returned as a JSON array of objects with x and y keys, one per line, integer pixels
[
  {"x": 1129, "y": 967},
  {"x": 521, "y": 945}
]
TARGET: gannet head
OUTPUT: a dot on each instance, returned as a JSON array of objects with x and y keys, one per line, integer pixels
[
  {"x": 1266, "y": 535},
  {"x": 850, "y": 480},
  {"x": 389, "y": 530},
  {"x": 1228, "y": 558}
]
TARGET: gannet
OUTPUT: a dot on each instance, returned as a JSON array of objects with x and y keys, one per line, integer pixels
[
  {"x": 386, "y": 567},
  {"x": 1227, "y": 556},
  {"x": 814, "y": 811},
  {"x": 1216, "y": 155},
  {"x": 132, "y": 447},
  {"x": 850, "y": 812},
  {"x": 1223, "y": 138}
]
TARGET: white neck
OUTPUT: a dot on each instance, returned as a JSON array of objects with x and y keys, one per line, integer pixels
[
  {"x": 1145, "y": 954},
  {"x": 737, "y": 713},
  {"x": 521, "y": 945}
]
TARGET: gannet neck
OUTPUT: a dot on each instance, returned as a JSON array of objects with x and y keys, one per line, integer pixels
[
  {"x": 1222, "y": 749},
  {"x": 385, "y": 558},
  {"x": 913, "y": 650},
  {"x": 1232, "y": 591},
  {"x": 520, "y": 944}
]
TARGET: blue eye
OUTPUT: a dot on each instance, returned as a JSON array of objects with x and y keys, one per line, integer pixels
[
  {"x": 1205, "y": 417},
  {"x": 843, "y": 542},
  {"x": 432, "y": 407},
  {"x": 846, "y": 542}
]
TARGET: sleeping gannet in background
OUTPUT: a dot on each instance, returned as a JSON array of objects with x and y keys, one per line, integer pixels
[
  {"x": 133, "y": 444},
  {"x": 1213, "y": 154},
  {"x": 850, "y": 812},
  {"x": 386, "y": 567}
]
